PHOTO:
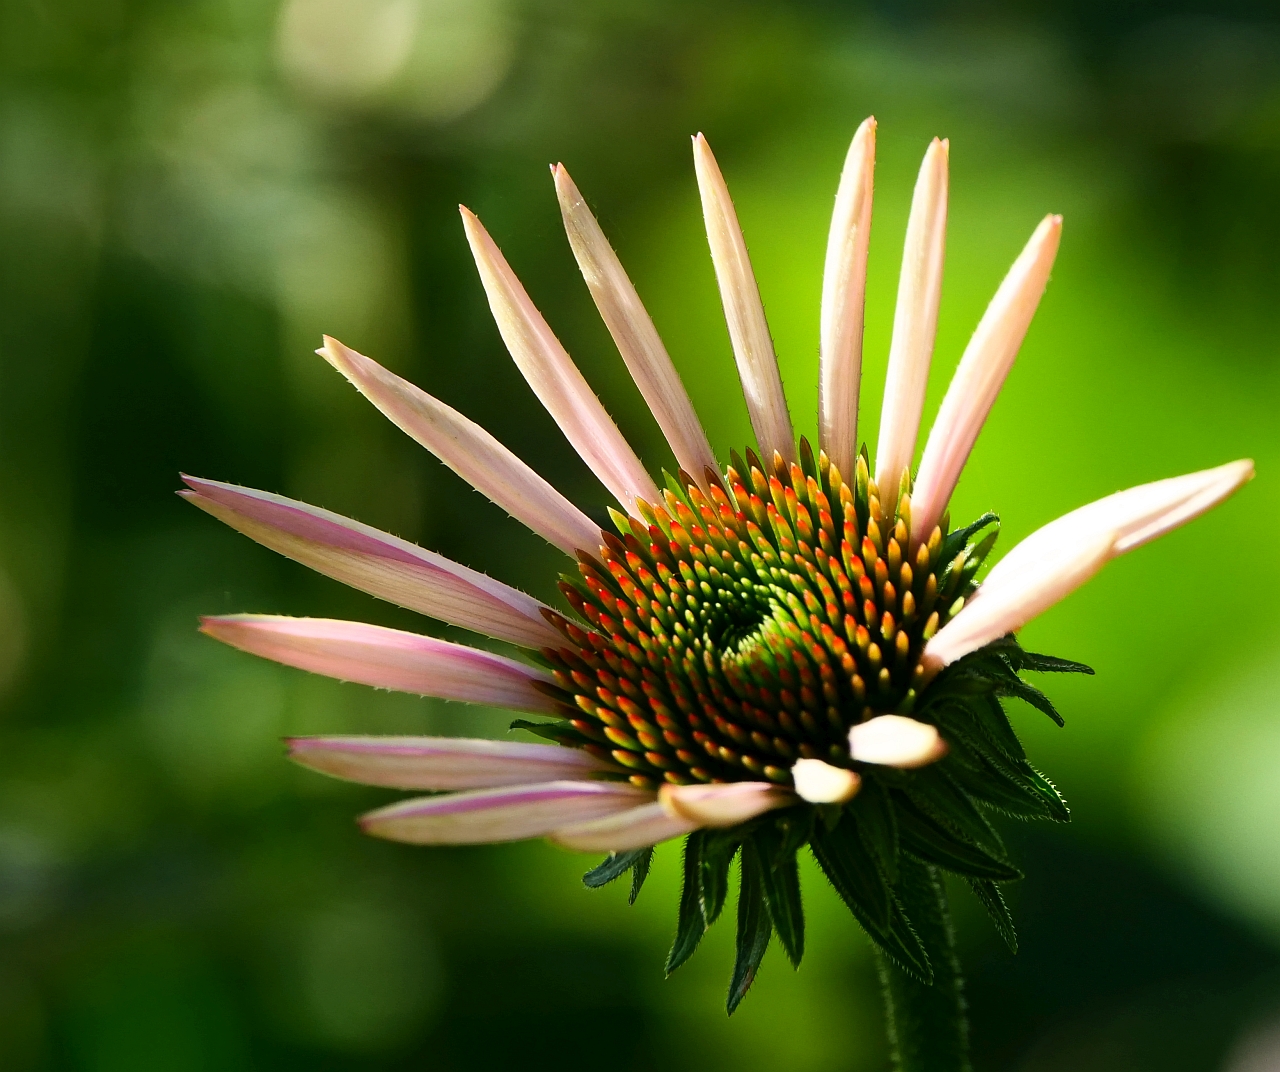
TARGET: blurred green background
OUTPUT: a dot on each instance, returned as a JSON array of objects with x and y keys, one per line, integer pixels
[{"x": 190, "y": 193}]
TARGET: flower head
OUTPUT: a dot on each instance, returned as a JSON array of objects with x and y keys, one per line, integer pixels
[{"x": 792, "y": 649}]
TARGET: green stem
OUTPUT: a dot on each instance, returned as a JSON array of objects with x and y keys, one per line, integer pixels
[{"x": 928, "y": 1027}]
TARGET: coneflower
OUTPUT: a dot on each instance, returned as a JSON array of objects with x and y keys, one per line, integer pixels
[{"x": 790, "y": 650}]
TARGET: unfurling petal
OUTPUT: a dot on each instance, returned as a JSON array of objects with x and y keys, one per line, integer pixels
[
  {"x": 821, "y": 783},
  {"x": 980, "y": 375},
  {"x": 440, "y": 762},
  {"x": 896, "y": 741},
  {"x": 554, "y": 377},
  {"x": 1007, "y": 602},
  {"x": 633, "y": 332},
  {"x": 376, "y": 562},
  {"x": 636, "y": 828},
  {"x": 915, "y": 324},
  {"x": 743, "y": 311},
  {"x": 469, "y": 451},
  {"x": 386, "y": 659},
  {"x": 844, "y": 282},
  {"x": 723, "y": 804},
  {"x": 508, "y": 814}
]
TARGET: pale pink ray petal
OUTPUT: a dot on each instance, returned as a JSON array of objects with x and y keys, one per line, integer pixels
[
  {"x": 636, "y": 828},
  {"x": 723, "y": 804},
  {"x": 554, "y": 377},
  {"x": 743, "y": 311},
  {"x": 821, "y": 783},
  {"x": 1007, "y": 601},
  {"x": 633, "y": 332},
  {"x": 915, "y": 324},
  {"x": 980, "y": 375},
  {"x": 508, "y": 814},
  {"x": 378, "y": 563},
  {"x": 896, "y": 741},
  {"x": 441, "y": 762},
  {"x": 468, "y": 450},
  {"x": 844, "y": 283},
  {"x": 1135, "y": 515},
  {"x": 386, "y": 659}
]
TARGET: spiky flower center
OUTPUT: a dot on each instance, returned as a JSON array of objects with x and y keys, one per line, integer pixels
[{"x": 754, "y": 620}]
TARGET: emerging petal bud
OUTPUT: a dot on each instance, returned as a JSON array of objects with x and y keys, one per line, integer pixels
[
  {"x": 896, "y": 741},
  {"x": 821, "y": 783},
  {"x": 723, "y": 805}
]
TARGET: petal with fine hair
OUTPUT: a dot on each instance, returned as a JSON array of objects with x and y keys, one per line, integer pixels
[
  {"x": 743, "y": 311},
  {"x": 633, "y": 332},
  {"x": 636, "y": 828},
  {"x": 507, "y": 814},
  {"x": 896, "y": 741},
  {"x": 376, "y": 562},
  {"x": 844, "y": 284},
  {"x": 723, "y": 804},
  {"x": 440, "y": 763},
  {"x": 554, "y": 377},
  {"x": 468, "y": 450},
  {"x": 915, "y": 324},
  {"x": 981, "y": 373},
  {"x": 386, "y": 659}
]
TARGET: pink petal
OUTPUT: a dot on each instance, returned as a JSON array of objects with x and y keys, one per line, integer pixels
[
  {"x": 844, "y": 281},
  {"x": 821, "y": 783},
  {"x": 636, "y": 828},
  {"x": 915, "y": 323},
  {"x": 375, "y": 562},
  {"x": 723, "y": 804},
  {"x": 1008, "y": 601},
  {"x": 633, "y": 331},
  {"x": 386, "y": 659},
  {"x": 469, "y": 451},
  {"x": 440, "y": 762},
  {"x": 508, "y": 814},
  {"x": 743, "y": 311},
  {"x": 980, "y": 375},
  {"x": 554, "y": 377},
  {"x": 896, "y": 741}
]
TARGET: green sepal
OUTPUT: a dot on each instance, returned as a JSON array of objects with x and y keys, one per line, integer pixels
[
  {"x": 781, "y": 887},
  {"x": 853, "y": 871},
  {"x": 754, "y": 926},
  {"x": 877, "y": 826},
  {"x": 929, "y": 840},
  {"x": 1015, "y": 686},
  {"x": 990, "y": 897},
  {"x": 640, "y": 872},
  {"x": 718, "y": 850},
  {"x": 674, "y": 486},
  {"x": 613, "y": 866},
  {"x": 934, "y": 792},
  {"x": 561, "y": 733},
  {"x": 1012, "y": 786},
  {"x": 808, "y": 464},
  {"x": 955, "y": 543},
  {"x": 691, "y": 923}
]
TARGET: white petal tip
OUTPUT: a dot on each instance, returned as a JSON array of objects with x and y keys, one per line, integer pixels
[
  {"x": 821, "y": 783},
  {"x": 896, "y": 741},
  {"x": 724, "y": 804}
]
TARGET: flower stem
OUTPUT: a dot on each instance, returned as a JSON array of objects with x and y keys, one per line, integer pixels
[{"x": 928, "y": 1027}]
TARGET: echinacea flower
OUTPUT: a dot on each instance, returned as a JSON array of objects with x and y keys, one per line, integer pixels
[{"x": 790, "y": 650}]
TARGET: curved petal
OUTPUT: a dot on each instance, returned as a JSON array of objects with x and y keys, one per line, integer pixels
[
  {"x": 376, "y": 562},
  {"x": 469, "y": 451},
  {"x": 744, "y": 311},
  {"x": 554, "y": 377},
  {"x": 844, "y": 283},
  {"x": 633, "y": 332},
  {"x": 508, "y": 814},
  {"x": 440, "y": 762},
  {"x": 723, "y": 804},
  {"x": 915, "y": 324},
  {"x": 980, "y": 375},
  {"x": 386, "y": 659},
  {"x": 896, "y": 741},
  {"x": 821, "y": 783},
  {"x": 636, "y": 828}
]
